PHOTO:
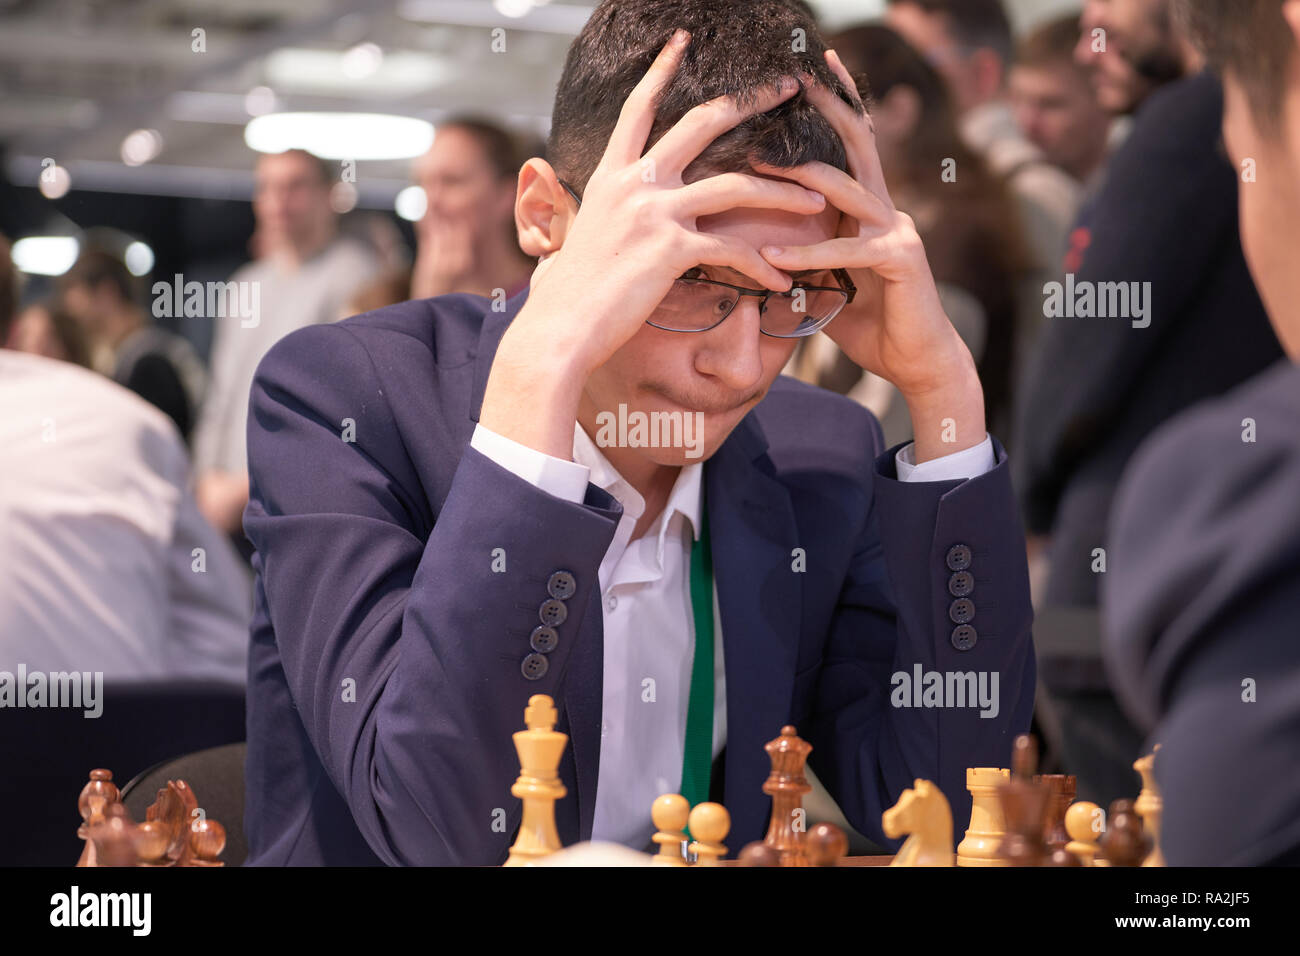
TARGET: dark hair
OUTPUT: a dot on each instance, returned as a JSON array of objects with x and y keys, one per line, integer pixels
[
  {"x": 1249, "y": 39},
  {"x": 505, "y": 151},
  {"x": 95, "y": 267},
  {"x": 8, "y": 290},
  {"x": 1050, "y": 43},
  {"x": 973, "y": 23},
  {"x": 736, "y": 48}
]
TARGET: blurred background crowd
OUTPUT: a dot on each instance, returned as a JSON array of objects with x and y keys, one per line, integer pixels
[{"x": 154, "y": 250}]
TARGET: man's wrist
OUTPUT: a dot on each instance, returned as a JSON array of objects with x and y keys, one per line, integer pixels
[
  {"x": 533, "y": 391},
  {"x": 948, "y": 417}
]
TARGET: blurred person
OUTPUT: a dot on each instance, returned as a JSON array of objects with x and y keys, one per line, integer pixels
[
  {"x": 1163, "y": 230},
  {"x": 466, "y": 239},
  {"x": 1206, "y": 526},
  {"x": 159, "y": 366},
  {"x": 108, "y": 564},
  {"x": 969, "y": 225},
  {"x": 302, "y": 276},
  {"x": 970, "y": 43},
  {"x": 1130, "y": 50},
  {"x": 45, "y": 329},
  {"x": 1054, "y": 101}
]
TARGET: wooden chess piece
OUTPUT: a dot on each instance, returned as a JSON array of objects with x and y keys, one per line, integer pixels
[
  {"x": 1150, "y": 806},
  {"x": 758, "y": 853},
  {"x": 1060, "y": 856},
  {"x": 669, "y": 814},
  {"x": 825, "y": 845},
  {"x": 1063, "y": 788},
  {"x": 923, "y": 812},
  {"x": 114, "y": 837},
  {"x": 540, "y": 748},
  {"x": 1124, "y": 843},
  {"x": 1082, "y": 823},
  {"x": 1024, "y": 806},
  {"x": 207, "y": 838},
  {"x": 97, "y": 794},
  {"x": 786, "y": 785},
  {"x": 709, "y": 823},
  {"x": 987, "y": 826}
]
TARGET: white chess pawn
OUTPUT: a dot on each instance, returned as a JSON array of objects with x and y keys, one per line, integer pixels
[
  {"x": 669, "y": 814},
  {"x": 709, "y": 823}
]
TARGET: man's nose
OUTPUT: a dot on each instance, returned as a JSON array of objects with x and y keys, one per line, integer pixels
[{"x": 730, "y": 352}]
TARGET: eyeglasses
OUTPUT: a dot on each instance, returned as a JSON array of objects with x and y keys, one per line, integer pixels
[{"x": 697, "y": 304}]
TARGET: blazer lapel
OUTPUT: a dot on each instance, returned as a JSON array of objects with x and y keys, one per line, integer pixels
[{"x": 753, "y": 530}]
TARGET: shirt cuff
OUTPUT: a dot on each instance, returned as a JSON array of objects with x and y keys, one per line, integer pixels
[
  {"x": 566, "y": 480},
  {"x": 967, "y": 463}
]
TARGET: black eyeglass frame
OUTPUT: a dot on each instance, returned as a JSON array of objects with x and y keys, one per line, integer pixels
[{"x": 848, "y": 290}]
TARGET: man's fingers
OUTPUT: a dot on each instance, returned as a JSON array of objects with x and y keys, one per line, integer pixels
[
  {"x": 719, "y": 193},
  {"x": 840, "y": 189},
  {"x": 856, "y": 132},
  {"x": 714, "y": 250},
  {"x": 704, "y": 123},
  {"x": 638, "y": 113},
  {"x": 843, "y": 253}
]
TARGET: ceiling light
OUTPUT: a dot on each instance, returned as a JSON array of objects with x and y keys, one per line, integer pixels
[
  {"x": 411, "y": 203},
  {"x": 140, "y": 146},
  {"x": 45, "y": 255},
  {"x": 340, "y": 135},
  {"x": 139, "y": 258}
]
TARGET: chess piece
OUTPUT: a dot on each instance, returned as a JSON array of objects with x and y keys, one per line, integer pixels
[
  {"x": 1060, "y": 856},
  {"x": 1124, "y": 843},
  {"x": 1063, "y": 788},
  {"x": 97, "y": 794},
  {"x": 1024, "y": 807},
  {"x": 709, "y": 823},
  {"x": 786, "y": 785},
  {"x": 825, "y": 845},
  {"x": 1150, "y": 806},
  {"x": 669, "y": 814},
  {"x": 759, "y": 853},
  {"x": 987, "y": 826},
  {"x": 1081, "y": 823},
  {"x": 114, "y": 837},
  {"x": 539, "y": 748},
  {"x": 207, "y": 838},
  {"x": 923, "y": 812}
]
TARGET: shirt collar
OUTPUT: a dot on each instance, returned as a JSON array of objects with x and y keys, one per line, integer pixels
[{"x": 684, "y": 499}]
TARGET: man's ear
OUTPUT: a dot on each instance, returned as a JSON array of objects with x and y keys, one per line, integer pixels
[{"x": 543, "y": 210}]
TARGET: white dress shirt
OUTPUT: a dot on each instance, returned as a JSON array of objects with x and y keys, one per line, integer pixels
[
  {"x": 98, "y": 533},
  {"x": 649, "y": 629}
]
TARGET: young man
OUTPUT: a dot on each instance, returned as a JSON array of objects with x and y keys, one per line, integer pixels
[
  {"x": 1200, "y": 602},
  {"x": 447, "y": 521}
]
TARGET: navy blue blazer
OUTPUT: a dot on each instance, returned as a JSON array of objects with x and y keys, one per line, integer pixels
[{"x": 385, "y": 672}]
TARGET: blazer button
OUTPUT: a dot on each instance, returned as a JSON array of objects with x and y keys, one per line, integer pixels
[
  {"x": 561, "y": 585},
  {"x": 964, "y": 637},
  {"x": 535, "y": 666},
  {"x": 958, "y": 557},
  {"x": 961, "y": 584},
  {"x": 544, "y": 639},
  {"x": 962, "y": 611},
  {"x": 553, "y": 612}
]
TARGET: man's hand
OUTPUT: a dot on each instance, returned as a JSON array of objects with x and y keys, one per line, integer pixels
[
  {"x": 895, "y": 327},
  {"x": 222, "y": 497},
  {"x": 634, "y": 235},
  {"x": 445, "y": 256}
]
